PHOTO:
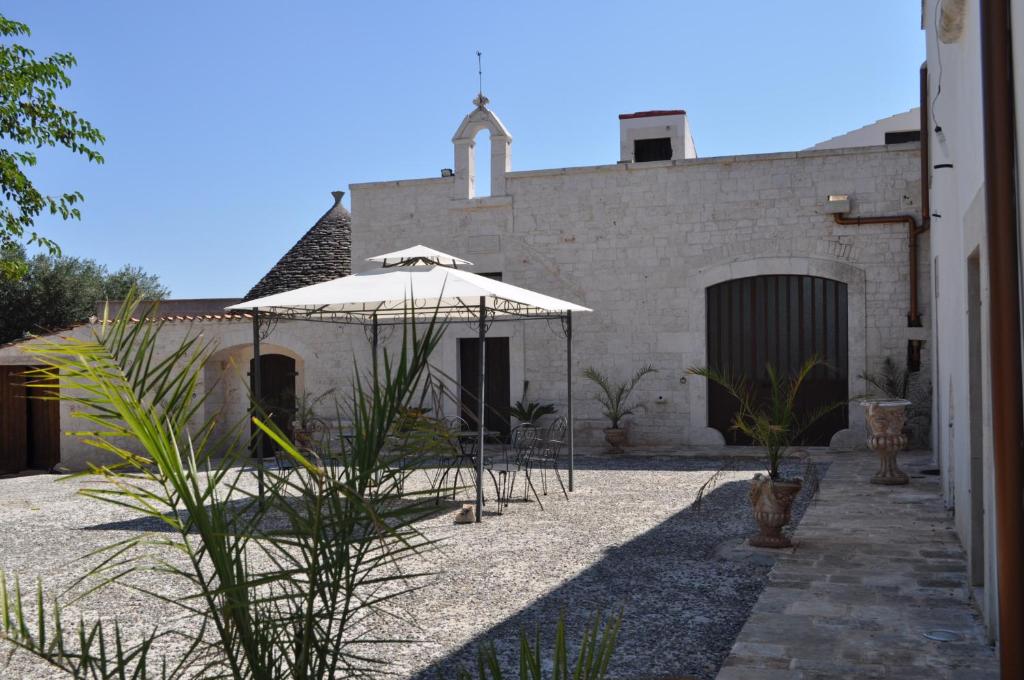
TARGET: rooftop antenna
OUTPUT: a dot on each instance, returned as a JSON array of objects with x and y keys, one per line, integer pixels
[{"x": 480, "y": 100}]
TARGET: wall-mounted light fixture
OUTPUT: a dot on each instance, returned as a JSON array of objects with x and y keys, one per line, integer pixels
[
  {"x": 447, "y": 172},
  {"x": 837, "y": 204}
]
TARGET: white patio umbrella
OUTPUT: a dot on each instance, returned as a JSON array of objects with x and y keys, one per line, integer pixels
[{"x": 419, "y": 282}]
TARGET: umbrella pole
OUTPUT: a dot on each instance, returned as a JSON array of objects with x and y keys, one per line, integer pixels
[
  {"x": 375, "y": 336},
  {"x": 257, "y": 440},
  {"x": 481, "y": 365},
  {"x": 568, "y": 390}
]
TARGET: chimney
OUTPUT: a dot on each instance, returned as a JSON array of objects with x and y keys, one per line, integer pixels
[{"x": 647, "y": 136}]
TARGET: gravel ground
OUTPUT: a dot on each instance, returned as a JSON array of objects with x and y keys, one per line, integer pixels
[{"x": 628, "y": 539}]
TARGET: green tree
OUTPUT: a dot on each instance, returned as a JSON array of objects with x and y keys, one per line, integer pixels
[
  {"x": 58, "y": 291},
  {"x": 31, "y": 118}
]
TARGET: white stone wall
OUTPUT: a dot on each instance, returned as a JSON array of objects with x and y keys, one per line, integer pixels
[
  {"x": 962, "y": 398},
  {"x": 874, "y": 134},
  {"x": 638, "y": 244},
  {"x": 325, "y": 355}
]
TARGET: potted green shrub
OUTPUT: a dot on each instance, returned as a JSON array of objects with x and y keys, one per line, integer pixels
[
  {"x": 531, "y": 412},
  {"x": 774, "y": 423},
  {"x": 614, "y": 399}
]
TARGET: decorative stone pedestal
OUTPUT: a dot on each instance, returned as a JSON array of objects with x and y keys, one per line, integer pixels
[
  {"x": 772, "y": 502},
  {"x": 885, "y": 419}
]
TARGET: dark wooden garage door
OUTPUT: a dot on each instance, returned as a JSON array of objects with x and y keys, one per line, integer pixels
[
  {"x": 781, "y": 320},
  {"x": 29, "y": 427}
]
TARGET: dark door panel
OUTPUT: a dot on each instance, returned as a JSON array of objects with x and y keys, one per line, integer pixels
[
  {"x": 496, "y": 389},
  {"x": 13, "y": 420},
  {"x": 782, "y": 321},
  {"x": 44, "y": 428},
  {"x": 277, "y": 394}
]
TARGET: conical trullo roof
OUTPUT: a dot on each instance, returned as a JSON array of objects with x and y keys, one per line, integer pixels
[{"x": 322, "y": 254}]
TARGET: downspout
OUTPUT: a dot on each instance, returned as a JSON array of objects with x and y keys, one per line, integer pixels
[
  {"x": 913, "y": 230},
  {"x": 926, "y": 185},
  {"x": 1004, "y": 326}
]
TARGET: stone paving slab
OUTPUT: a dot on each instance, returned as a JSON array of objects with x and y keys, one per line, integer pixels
[{"x": 874, "y": 568}]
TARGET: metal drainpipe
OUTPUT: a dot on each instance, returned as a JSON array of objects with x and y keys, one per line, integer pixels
[
  {"x": 913, "y": 230},
  {"x": 1007, "y": 401}
]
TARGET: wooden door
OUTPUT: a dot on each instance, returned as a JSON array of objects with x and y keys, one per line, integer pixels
[
  {"x": 781, "y": 320},
  {"x": 277, "y": 393},
  {"x": 13, "y": 420},
  {"x": 497, "y": 389},
  {"x": 43, "y": 428}
]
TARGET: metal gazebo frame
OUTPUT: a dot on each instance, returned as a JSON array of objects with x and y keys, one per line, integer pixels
[{"x": 481, "y": 310}]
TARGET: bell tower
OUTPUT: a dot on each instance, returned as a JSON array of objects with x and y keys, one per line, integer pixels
[{"x": 481, "y": 118}]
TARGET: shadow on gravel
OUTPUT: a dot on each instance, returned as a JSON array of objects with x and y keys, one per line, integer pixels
[
  {"x": 682, "y": 606},
  {"x": 153, "y": 524}
]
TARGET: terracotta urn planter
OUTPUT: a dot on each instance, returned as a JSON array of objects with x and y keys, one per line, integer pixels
[
  {"x": 616, "y": 438},
  {"x": 772, "y": 502},
  {"x": 886, "y": 418}
]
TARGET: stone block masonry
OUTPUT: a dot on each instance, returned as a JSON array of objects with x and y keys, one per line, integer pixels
[{"x": 640, "y": 243}]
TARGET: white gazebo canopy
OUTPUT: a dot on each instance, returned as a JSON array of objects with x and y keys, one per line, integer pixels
[
  {"x": 390, "y": 293},
  {"x": 418, "y": 283}
]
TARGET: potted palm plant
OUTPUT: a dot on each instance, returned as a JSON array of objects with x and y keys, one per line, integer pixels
[
  {"x": 614, "y": 399},
  {"x": 773, "y": 422}
]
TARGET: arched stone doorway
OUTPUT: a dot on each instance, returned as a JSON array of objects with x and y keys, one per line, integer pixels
[
  {"x": 855, "y": 281},
  {"x": 782, "y": 321}
]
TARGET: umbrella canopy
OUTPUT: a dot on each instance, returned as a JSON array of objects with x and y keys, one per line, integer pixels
[
  {"x": 417, "y": 255},
  {"x": 394, "y": 290}
]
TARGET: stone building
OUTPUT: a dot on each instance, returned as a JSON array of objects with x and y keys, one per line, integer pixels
[
  {"x": 297, "y": 357},
  {"x": 736, "y": 260},
  {"x": 664, "y": 249}
]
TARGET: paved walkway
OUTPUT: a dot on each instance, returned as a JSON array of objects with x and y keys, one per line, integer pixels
[{"x": 874, "y": 569}]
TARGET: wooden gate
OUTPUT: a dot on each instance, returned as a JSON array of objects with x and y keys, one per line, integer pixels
[
  {"x": 277, "y": 393},
  {"x": 496, "y": 389},
  {"x": 29, "y": 427},
  {"x": 781, "y": 320}
]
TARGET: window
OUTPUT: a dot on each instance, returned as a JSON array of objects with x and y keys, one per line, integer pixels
[
  {"x": 645, "y": 150},
  {"x": 902, "y": 137}
]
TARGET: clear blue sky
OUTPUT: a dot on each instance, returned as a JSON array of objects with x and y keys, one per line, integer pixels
[{"x": 229, "y": 122}]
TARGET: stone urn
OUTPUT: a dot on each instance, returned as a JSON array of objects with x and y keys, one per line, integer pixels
[
  {"x": 772, "y": 501},
  {"x": 616, "y": 438},
  {"x": 886, "y": 418},
  {"x": 301, "y": 437}
]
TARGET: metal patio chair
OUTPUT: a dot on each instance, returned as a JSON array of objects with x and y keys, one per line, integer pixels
[
  {"x": 463, "y": 455},
  {"x": 546, "y": 456},
  {"x": 518, "y": 460}
]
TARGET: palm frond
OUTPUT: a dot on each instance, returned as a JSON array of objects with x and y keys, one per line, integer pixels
[
  {"x": 773, "y": 421},
  {"x": 597, "y": 647}
]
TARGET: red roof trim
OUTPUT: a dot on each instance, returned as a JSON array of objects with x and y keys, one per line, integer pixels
[{"x": 652, "y": 114}]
